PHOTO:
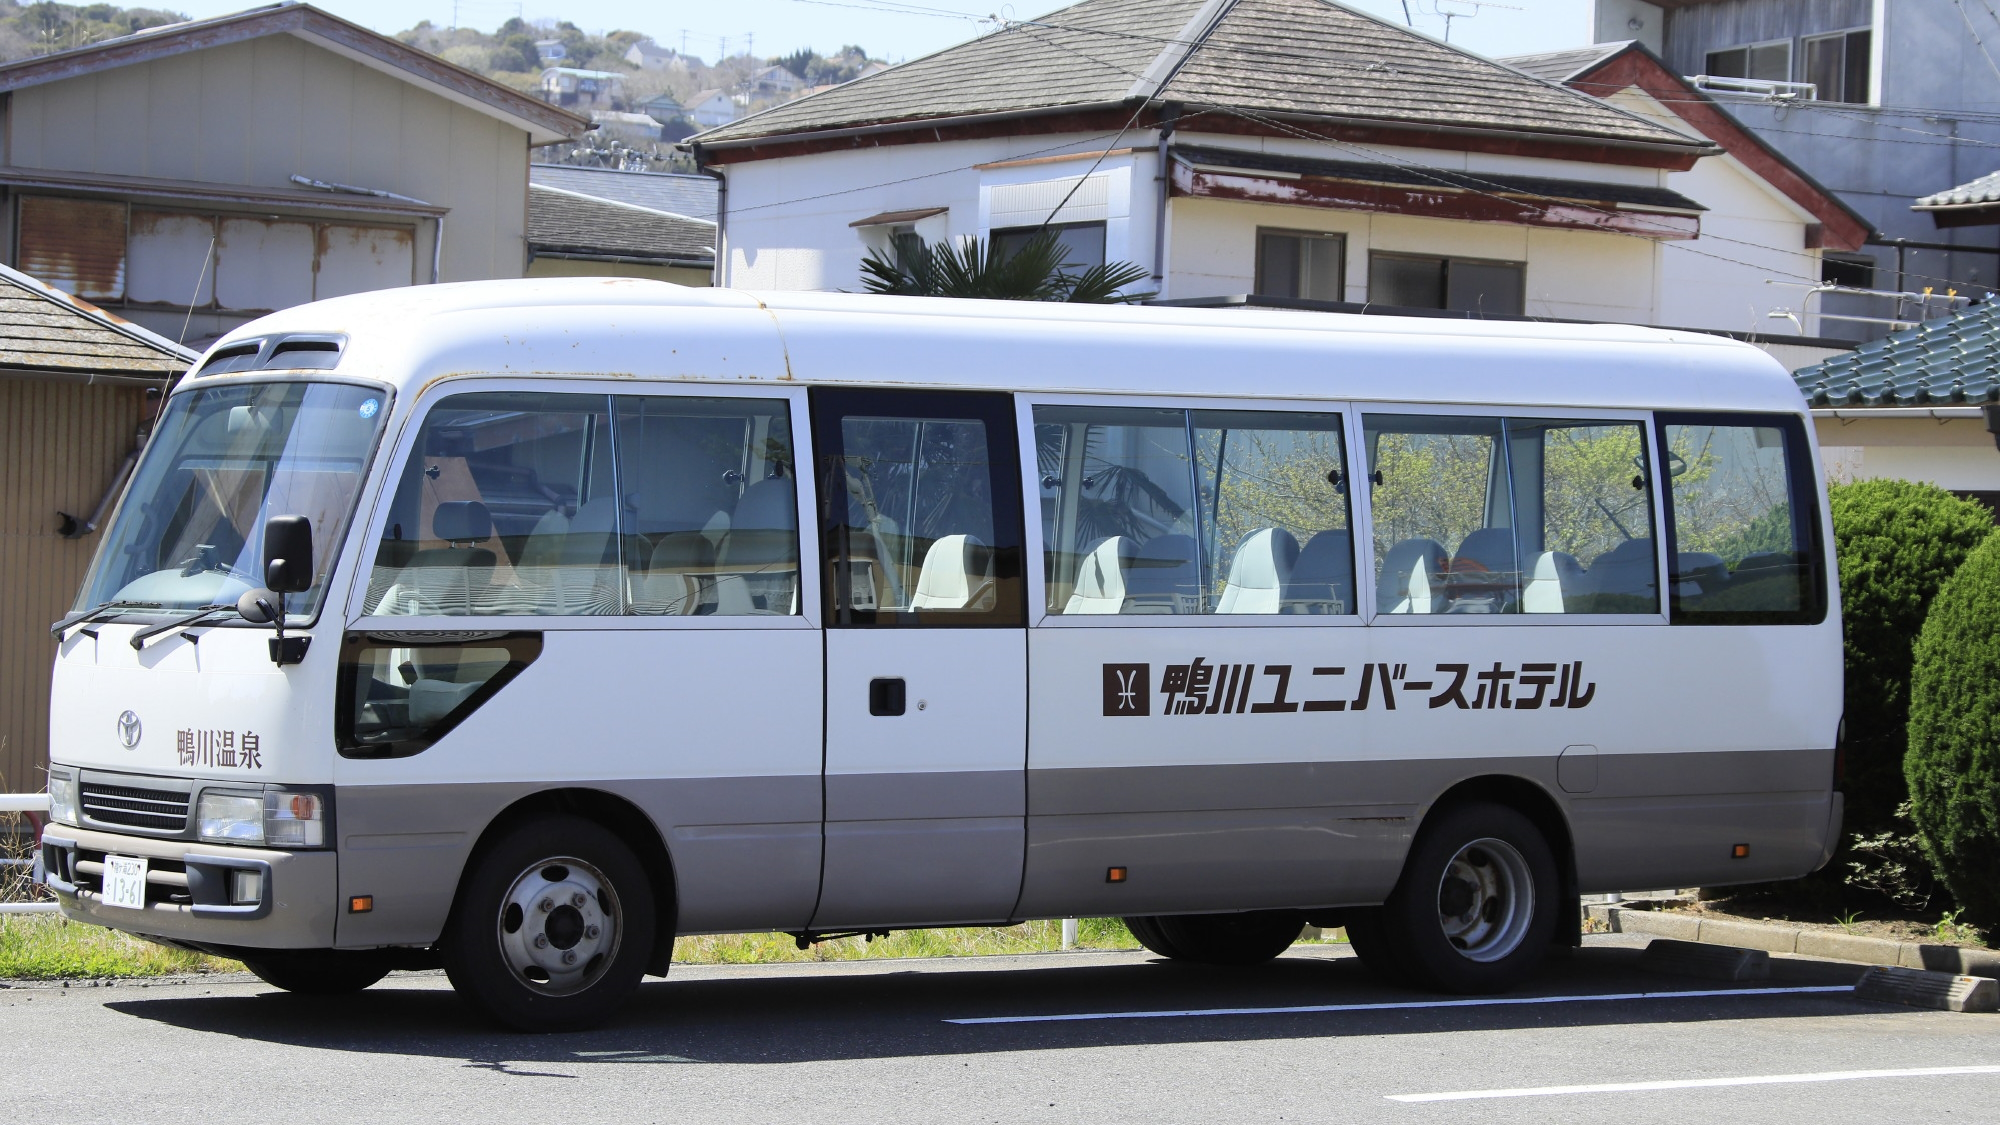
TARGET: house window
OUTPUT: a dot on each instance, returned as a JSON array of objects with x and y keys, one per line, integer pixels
[
  {"x": 1849, "y": 271},
  {"x": 1083, "y": 242},
  {"x": 1304, "y": 264},
  {"x": 1460, "y": 284},
  {"x": 1837, "y": 65},
  {"x": 1764, "y": 62}
]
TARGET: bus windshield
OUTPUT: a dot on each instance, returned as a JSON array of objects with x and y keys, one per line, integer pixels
[{"x": 223, "y": 460}]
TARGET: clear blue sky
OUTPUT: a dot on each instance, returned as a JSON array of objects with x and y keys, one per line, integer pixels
[{"x": 896, "y": 29}]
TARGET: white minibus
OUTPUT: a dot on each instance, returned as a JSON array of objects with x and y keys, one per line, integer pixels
[{"x": 520, "y": 627}]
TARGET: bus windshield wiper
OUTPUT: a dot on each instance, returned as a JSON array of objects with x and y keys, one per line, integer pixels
[
  {"x": 98, "y": 613},
  {"x": 140, "y": 638}
]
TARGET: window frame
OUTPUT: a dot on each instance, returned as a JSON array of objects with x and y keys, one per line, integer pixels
[
  {"x": 1803, "y": 53},
  {"x": 1035, "y": 546},
  {"x": 1103, "y": 225},
  {"x": 398, "y": 443},
  {"x": 1804, "y": 473},
  {"x": 1364, "y": 516},
  {"x": 1792, "y": 53},
  {"x": 1257, "y": 267},
  {"x": 1445, "y": 292}
]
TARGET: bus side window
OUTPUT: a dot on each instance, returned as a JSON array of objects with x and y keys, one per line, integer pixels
[
  {"x": 1163, "y": 511},
  {"x": 1511, "y": 515},
  {"x": 1744, "y": 512}
]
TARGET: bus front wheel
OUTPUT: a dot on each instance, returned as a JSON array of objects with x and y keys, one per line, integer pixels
[
  {"x": 552, "y": 928},
  {"x": 1475, "y": 909}
]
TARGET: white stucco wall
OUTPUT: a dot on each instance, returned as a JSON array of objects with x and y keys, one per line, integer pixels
[{"x": 1955, "y": 453}]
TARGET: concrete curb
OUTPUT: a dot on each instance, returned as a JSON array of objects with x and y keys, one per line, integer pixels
[{"x": 1778, "y": 938}]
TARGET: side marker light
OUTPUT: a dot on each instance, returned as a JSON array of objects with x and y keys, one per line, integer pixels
[
  {"x": 1740, "y": 851},
  {"x": 1114, "y": 875},
  {"x": 360, "y": 904}
]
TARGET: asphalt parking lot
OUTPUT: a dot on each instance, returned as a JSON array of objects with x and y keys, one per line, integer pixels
[{"x": 1079, "y": 1037}]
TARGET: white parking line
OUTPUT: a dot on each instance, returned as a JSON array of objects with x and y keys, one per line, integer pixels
[
  {"x": 1408, "y": 1005},
  {"x": 1696, "y": 1083}
]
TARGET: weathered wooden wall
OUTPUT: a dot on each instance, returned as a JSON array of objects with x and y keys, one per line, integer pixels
[{"x": 60, "y": 443}]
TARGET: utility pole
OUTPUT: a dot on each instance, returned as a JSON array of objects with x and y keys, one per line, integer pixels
[{"x": 751, "y": 50}]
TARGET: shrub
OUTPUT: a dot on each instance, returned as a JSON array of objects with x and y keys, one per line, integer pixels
[
  {"x": 1898, "y": 542},
  {"x": 1953, "y": 764}
]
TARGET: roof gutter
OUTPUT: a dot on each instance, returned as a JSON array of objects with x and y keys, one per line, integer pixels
[{"x": 1690, "y": 147}]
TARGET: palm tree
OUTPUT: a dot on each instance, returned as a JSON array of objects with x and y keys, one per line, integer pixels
[{"x": 1037, "y": 271}]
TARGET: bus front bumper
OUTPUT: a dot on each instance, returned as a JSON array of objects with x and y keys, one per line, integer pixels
[{"x": 196, "y": 893}]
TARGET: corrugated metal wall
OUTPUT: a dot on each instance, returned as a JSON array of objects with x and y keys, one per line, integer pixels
[{"x": 59, "y": 445}]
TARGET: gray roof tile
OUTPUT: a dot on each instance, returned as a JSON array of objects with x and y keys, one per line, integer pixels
[
  {"x": 1985, "y": 189},
  {"x": 564, "y": 222},
  {"x": 1560, "y": 66},
  {"x": 45, "y": 330},
  {"x": 1950, "y": 360},
  {"x": 1304, "y": 57},
  {"x": 693, "y": 196}
]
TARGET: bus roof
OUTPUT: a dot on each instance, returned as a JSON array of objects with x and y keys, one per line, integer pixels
[{"x": 644, "y": 330}]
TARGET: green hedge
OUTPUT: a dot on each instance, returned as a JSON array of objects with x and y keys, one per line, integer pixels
[
  {"x": 1953, "y": 765},
  {"x": 1898, "y": 543}
]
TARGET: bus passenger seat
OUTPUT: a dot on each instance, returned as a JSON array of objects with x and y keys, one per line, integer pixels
[
  {"x": 1554, "y": 573},
  {"x": 1412, "y": 578},
  {"x": 956, "y": 575},
  {"x": 1259, "y": 571},
  {"x": 1623, "y": 578},
  {"x": 1323, "y": 579},
  {"x": 674, "y": 581},
  {"x": 1100, "y": 578},
  {"x": 1160, "y": 577},
  {"x": 763, "y": 529}
]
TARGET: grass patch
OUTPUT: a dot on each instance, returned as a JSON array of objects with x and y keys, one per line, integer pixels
[
  {"x": 970, "y": 941},
  {"x": 45, "y": 947}
]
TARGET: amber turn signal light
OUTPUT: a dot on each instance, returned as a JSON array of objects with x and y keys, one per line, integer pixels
[
  {"x": 360, "y": 904},
  {"x": 1740, "y": 851},
  {"x": 1114, "y": 874}
]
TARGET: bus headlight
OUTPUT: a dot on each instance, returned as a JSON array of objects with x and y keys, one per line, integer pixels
[
  {"x": 233, "y": 818},
  {"x": 62, "y": 798},
  {"x": 275, "y": 818}
]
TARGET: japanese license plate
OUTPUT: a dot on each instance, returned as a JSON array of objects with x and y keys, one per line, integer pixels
[{"x": 125, "y": 882}]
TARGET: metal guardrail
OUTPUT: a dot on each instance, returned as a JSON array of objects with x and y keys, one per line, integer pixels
[{"x": 24, "y": 802}]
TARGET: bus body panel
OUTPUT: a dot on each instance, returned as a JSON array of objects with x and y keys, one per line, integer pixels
[{"x": 721, "y": 734}]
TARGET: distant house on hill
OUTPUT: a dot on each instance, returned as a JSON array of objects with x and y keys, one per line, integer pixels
[
  {"x": 662, "y": 108},
  {"x": 192, "y": 177},
  {"x": 711, "y": 108},
  {"x": 649, "y": 55},
  {"x": 772, "y": 82},
  {"x": 581, "y": 89}
]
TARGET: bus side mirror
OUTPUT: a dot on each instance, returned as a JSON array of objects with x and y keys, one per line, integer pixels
[{"x": 288, "y": 554}]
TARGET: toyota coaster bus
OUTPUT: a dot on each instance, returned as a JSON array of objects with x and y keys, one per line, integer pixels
[{"x": 519, "y": 627}]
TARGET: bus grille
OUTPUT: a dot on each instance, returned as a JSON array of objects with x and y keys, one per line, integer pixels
[{"x": 161, "y": 810}]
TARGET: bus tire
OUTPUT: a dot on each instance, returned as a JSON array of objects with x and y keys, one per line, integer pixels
[
  {"x": 1475, "y": 909},
  {"x": 319, "y": 972},
  {"x": 552, "y": 928},
  {"x": 1246, "y": 938}
]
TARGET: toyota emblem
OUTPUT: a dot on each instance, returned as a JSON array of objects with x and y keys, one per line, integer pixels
[{"x": 128, "y": 730}]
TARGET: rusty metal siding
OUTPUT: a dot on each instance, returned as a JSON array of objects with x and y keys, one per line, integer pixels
[
  {"x": 76, "y": 245},
  {"x": 59, "y": 445}
]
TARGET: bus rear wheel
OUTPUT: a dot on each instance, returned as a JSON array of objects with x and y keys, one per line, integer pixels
[
  {"x": 552, "y": 928},
  {"x": 1247, "y": 938},
  {"x": 1475, "y": 909},
  {"x": 319, "y": 972}
]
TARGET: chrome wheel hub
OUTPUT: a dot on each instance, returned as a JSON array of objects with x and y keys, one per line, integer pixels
[
  {"x": 559, "y": 926},
  {"x": 1486, "y": 900}
]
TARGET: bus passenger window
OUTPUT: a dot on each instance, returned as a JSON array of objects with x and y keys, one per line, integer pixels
[
  {"x": 1745, "y": 521},
  {"x": 1511, "y": 515},
  {"x": 711, "y": 506},
  {"x": 1161, "y": 511}
]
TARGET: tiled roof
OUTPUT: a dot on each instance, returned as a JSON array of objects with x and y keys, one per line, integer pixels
[
  {"x": 1560, "y": 66},
  {"x": 565, "y": 222},
  {"x": 1953, "y": 359},
  {"x": 1296, "y": 57},
  {"x": 44, "y": 331},
  {"x": 693, "y": 196},
  {"x": 1985, "y": 189}
]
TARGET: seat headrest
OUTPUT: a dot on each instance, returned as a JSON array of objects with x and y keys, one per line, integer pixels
[
  {"x": 460, "y": 521},
  {"x": 769, "y": 505},
  {"x": 1264, "y": 560},
  {"x": 1492, "y": 548},
  {"x": 1102, "y": 573}
]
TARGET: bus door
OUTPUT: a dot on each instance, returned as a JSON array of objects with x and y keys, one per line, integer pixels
[{"x": 926, "y": 657}]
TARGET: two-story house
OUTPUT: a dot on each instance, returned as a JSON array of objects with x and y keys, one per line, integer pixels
[{"x": 1263, "y": 150}]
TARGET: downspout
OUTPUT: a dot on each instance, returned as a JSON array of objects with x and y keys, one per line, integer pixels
[
  {"x": 1169, "y": 113},
  {"x": 437, "y": 245},
  {"x": 719, "y": 273}
]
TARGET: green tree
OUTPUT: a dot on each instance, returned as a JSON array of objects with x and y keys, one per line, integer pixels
[
  {"x": 1953, "y": 763},
  {"x": 1036, "y": 271}
]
